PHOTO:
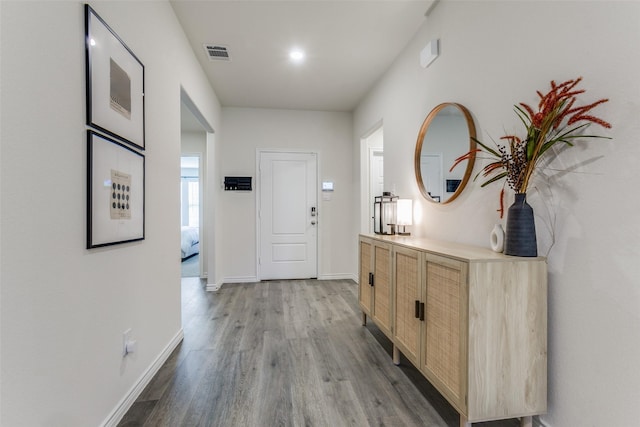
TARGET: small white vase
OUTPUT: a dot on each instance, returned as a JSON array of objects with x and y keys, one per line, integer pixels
[{"x": 497, "y": 238}]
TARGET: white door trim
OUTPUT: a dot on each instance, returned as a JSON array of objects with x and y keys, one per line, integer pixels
[
  {"x": 207, "y": 202},
  {"x": 366, "y": 144},
  {"x": 373, "y": 153},
  {"x": 201, "y": 211}
]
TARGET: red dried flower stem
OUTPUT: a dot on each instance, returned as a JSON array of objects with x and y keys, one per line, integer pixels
[
  {"x": 556, "y": 120},
  {"x": 554, "y": 107}
]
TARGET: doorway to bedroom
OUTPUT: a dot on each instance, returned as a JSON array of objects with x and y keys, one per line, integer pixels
[
  {"x": 196, "y": 202},
  {"x": 190, "y": 196}
]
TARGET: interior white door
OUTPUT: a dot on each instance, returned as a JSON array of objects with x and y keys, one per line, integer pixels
[
  {"x": 432, "y": 175},
  {"x": 376, "y": 180},
  {"x": 287, "y": 216}
]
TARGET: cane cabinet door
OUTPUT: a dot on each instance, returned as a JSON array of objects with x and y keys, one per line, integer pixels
[
  {"x": 445, "y": 332},
  {"x": 365, "y": 292},
  {"x": 408, "y": 305},
  {"x": 381, "y": 313}
]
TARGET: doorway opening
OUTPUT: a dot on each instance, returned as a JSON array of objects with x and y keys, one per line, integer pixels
[
  {"x": 190, "y": 196},
  {"x": 196, "y": 204},
  {"x": 371, "y": 173}
]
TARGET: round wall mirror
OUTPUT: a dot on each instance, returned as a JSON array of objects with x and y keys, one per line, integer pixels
[{"x": 447, "y": 133}]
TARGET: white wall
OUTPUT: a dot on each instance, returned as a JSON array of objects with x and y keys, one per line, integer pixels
[
  {"x": 245, "y": 131},
  {"x": 64, "y": 308},
  {"x": 494, "y": 55}
]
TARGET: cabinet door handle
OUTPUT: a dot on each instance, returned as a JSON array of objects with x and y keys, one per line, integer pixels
[
  {"x": 417, "y": 313},
  {"x": 371, "y": 279},
  {"x": 421, "y": 311}
]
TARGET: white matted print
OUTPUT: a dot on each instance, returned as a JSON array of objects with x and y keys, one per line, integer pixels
[
  {"x": 115, "y": 83},
  {"x": 121, "y": 198},
  {"x": 115, "y": 199}
]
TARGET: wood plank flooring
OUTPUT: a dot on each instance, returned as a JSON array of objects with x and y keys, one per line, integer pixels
[{"x": 285, "y": 353}]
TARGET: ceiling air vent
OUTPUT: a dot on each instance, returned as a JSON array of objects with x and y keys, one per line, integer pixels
[{"x": 216, "y": 52}]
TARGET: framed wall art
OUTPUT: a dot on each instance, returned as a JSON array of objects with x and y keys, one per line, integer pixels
[
  {"x": 115, "y": 83},
  {"x": 115, "y": 192}
]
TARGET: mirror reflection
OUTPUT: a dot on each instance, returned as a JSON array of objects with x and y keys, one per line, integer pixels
[{"x": 447, "y": 133}]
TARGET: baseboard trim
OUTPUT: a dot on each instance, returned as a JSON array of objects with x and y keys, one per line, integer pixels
[
  {"x": 252, "y": 279},
  {"x": 128, "y": 400},
  {"x": 343, "y": 276},
  {"x": 240, "y": 279},
  {"x": 213, "y": 287}
]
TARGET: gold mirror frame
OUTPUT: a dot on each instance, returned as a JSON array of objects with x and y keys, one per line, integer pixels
[{"x": 472, "y": 145}]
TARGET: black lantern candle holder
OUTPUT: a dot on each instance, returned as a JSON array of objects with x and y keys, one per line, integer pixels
[{"x": 384, "y": 213}]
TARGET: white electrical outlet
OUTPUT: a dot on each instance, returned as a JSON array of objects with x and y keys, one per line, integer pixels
[{"x": 126, "y": 338}]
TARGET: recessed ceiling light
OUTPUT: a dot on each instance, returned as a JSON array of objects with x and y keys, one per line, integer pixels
[{"x": 296, "y": 55}]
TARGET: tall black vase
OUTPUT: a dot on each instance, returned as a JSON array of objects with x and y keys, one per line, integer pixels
[{"x": 520, "y": 239}]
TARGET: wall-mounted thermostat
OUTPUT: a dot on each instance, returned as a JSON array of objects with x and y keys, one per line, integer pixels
[{"x": 327, "y": 186}]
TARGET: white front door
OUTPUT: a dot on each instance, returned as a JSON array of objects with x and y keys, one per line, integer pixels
[{"x": 287, "y": 215}]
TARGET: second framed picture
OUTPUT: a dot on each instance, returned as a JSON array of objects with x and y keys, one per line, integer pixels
[
  {"x": 115, "y": 83},
  {"x": 115, "y": 192}
]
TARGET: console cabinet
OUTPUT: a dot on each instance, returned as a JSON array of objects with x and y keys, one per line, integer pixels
[{"x": 473, "y": 321}]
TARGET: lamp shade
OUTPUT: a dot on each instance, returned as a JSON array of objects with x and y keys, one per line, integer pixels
[{"x": 405, "y": 212}]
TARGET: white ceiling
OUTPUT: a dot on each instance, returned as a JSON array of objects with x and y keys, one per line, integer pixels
[{"x": 349, "y": 44}]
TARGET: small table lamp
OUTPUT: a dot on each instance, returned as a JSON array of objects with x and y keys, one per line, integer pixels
[{"x": 404, "y": 216}]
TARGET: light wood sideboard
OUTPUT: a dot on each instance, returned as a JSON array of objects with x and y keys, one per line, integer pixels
[{"x": 474, "y": 322}]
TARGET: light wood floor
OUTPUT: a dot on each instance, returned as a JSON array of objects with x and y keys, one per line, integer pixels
[{"x": 285, "y": 353}]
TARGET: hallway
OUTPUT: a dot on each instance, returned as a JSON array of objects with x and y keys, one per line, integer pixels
[{"x": 285, "y": 353}]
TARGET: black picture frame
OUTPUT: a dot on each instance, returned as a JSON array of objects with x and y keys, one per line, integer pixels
[
  {"x": 114, "y": 83},
  {"x": 452, "y": 185},
  {"x": 115, "y": 192}
]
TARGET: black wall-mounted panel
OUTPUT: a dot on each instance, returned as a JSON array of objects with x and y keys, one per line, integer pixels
[{"x": 237, "y": 183}]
